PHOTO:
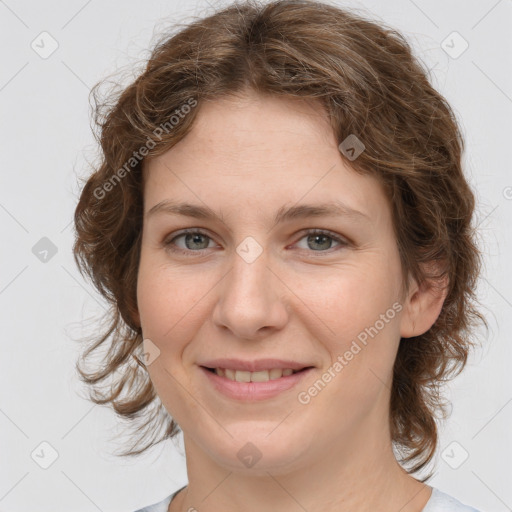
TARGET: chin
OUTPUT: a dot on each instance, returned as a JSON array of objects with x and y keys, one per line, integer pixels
[{"x": 260, "y": 453}]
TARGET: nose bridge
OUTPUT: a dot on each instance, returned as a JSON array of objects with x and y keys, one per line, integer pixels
[
  {"x": 250, "y": 268},
  {"x": 248, "y": 298}
]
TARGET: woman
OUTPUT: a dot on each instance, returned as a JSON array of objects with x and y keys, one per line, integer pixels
[{"x": 282, "y": 225}]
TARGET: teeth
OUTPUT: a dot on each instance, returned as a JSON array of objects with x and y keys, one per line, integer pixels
[{"x": 261, "y": 376}]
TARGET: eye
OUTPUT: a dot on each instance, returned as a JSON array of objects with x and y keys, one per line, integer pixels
[
  {"x": 195, "y": 241},
  {"x": 319, "y": 239}
]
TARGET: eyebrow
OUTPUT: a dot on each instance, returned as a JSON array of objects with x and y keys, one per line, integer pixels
[{"x": 284, "y": 214}]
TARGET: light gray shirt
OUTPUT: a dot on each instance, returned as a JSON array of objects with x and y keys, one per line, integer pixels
[{"x": 438, "y": 502}]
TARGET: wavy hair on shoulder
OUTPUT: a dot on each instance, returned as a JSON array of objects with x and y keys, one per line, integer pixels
[{"x": 365, "y": 77}]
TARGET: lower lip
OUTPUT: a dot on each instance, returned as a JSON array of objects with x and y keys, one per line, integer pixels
[{"x": 250, "y": 391}]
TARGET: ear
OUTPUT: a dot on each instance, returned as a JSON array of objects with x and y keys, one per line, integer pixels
[{"x": 422, "y": 306}]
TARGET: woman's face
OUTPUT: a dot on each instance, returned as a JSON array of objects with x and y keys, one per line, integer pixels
[{"x": 245, "y": 286}]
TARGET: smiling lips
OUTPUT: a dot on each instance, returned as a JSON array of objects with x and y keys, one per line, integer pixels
[
  {"x": 261, "y": 376},
  {"x": 255, "y": 365},
  {"x": 258, "y": 370},
  {"x": 253, "y": 380},
  {"x": 253, "y": 391}
]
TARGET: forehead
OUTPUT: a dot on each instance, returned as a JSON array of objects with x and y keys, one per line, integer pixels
[
  {"x": 259, "y": 150},
  {"x": 268, "y": 128}
]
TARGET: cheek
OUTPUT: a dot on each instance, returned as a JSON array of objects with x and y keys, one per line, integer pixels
[
  {"x": 169, "y": 302},
  {"x": 351, "y": 299},
  {"x": 360, "y": 312}
]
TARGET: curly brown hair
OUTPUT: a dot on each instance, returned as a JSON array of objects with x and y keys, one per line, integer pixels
[{"x": 366, "y": 78}]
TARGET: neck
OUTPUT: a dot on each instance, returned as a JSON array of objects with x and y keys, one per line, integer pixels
[{"x": 361, "y": 475}]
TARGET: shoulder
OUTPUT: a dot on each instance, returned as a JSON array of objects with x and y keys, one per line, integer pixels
[
  {"x": 161, "y": 506},
  {"x": 442, "y": 502}
]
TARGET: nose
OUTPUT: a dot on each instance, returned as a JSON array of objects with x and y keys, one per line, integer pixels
[{"x": 252, "y": 299}]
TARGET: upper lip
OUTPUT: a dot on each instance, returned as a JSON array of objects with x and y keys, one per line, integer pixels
[{"x": 254, "y": 365}]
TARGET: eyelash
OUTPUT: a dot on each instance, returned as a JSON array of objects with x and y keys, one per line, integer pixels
[{"x": 169, "y": 245}]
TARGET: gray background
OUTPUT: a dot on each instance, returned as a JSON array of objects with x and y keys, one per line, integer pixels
[{"x": 45, "y": 306}]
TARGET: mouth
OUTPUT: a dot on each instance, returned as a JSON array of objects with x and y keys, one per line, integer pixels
[
  {"x": 248, "y": 386},
  {"x": 259, "y": 376}
]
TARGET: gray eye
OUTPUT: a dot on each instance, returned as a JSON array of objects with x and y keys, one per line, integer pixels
[
  {"x": 194, "y": 241},
  {"x": 318, "y": 242}
]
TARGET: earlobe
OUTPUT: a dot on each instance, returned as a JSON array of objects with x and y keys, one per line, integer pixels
[{"x": 422, "y": 306}]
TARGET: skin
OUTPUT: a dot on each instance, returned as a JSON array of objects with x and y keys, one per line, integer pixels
[{"x": 303, "y": 298}]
